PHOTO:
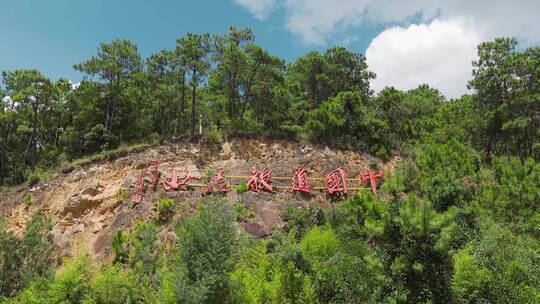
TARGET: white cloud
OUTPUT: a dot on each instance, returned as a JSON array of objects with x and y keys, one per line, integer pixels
[
  {"x": 438, "y": 54},
  {"x": 438, "y": 51},
  {"x": 348, "y": 40},
  {"x": 74, "y": 85},
  {"x": 261, "y": 9},
  {"x": 9, "y": 103},
  {"x": 315, "y": 21},
  {"x": 492, "y": 18},
  {"x": 7, "y": 99}
]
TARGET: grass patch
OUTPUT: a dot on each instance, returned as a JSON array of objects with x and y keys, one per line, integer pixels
[
  {"x": 243, "y": 213},
  {"x": 27, "y": 198},
  {"x": 121, "y": 151},
  {"x": 207, "y": 175},
  {"x": 121, "y": 194}
]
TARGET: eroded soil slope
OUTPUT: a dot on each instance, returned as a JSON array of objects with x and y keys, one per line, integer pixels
[{"x": 87, "y": 210}]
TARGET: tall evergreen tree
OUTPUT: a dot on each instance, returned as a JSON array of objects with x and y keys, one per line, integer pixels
[
  {"x": 114, "y": 65},
  {"x": 195, "y": 49}
]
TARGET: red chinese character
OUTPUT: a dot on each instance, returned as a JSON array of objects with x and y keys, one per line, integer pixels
[
  {"x": 336, "y": 182},
  {"x": 185, "y": 180},
  {"x": 300, "y": 181},
  {"x": 265, "y": 180},
  {"x": 173, "y": 182},
  {"x": 155, "y": 174},
  {"x": 219, "y": 181},
  {"x": 259, "y": 181},
  {"x": 217, "y": 185},
  {"x": 253, "y": 182},
  {"x": 138, "y": 193},
  {"x": 371, "y": 176}
]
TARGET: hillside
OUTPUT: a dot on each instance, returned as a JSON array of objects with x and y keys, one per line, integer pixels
[
  {"x": 456, "y": 218},
  {"x": 87, "y": 209}
]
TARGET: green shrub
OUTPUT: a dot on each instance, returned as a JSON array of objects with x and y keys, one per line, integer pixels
[
  {"x": 320, "y": 244},
  {"x": 119, "y": 247},
  {"x": 121, "y": 194},
  {"x": 33, "y": 179},
  {"x": 499, "y": 267},
  {"x": 112, "y": 285},
  {"x": 510, "y": 194},
  {"x": 142, "y": 256},
  {"x": 99, "y": 139},
  {"x": 303, "y": 219},
  {"x": 24, "y": 259},
  {"x": 164, "y": 209},
  {"x": 72, "y": 282},
  {"x": 214, "y": 136},
  {"x": 205, "y": 254},
  {"x": 374, "y": 165},
  {"x": 37, "y": 176},
  {"x": 243, "y": 213},
  {"x": 441, "y": 171},
  {"x": 241, "y": 189},
  {"x": 27, "y": 198},
  {"x": 208, "y": 175}
]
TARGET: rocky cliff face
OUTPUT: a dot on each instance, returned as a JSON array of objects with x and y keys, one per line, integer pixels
[{"x": 90, "y": 203}]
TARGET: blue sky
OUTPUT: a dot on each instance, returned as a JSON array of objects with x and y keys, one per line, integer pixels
[
  {"x": 406, "y": 42},
  {"x": 53, "y": 35}
]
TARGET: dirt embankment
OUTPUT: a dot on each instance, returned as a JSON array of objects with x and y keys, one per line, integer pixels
[{"x": 87, "y": 207}]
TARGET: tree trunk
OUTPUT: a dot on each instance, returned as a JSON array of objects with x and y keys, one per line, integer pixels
[
  {"x": 57, "y": 132},
  {"x": 488, "y": 148},
  {"x": 2, "y": 160},
  {"x": 113, "y": 113},
  {"x": 183, "y": 100},
  {"x": 193, "y": 109},
  {"x": 111, "y": 104},
  {"x": 108, "y": 119},
  {"x": 232, "y": 95},
  {"x": 181, "y": 104},
  {"x": 162, "y": 123},
  {"x": 34, "y": 136},
  {"x": 31, "y": 147},
  {"x": 193, "y": 92},
  {"x": 248, "y": 90}
]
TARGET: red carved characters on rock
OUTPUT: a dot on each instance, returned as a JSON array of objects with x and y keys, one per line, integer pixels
[
  {"x": 371, "y": 177},
  {"x": 138, "y": 192},
  {"x": 266, "y": 175},
  {"x": 176, "y": 183},
  {"x": 155, "y": 174},
  {"x": 260, "y": 181},
  {"x": 183, "y": 184},
  {"x": 173, "y": 183},
  {"x": 253, "y": 182},
  {"x": 300, "y": 181},
  {"x": 336, "y": 182},
  {"x": 216, "y": 185}
]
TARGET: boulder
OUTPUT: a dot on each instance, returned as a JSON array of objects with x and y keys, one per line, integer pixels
[{"x": 87, "y": 198}]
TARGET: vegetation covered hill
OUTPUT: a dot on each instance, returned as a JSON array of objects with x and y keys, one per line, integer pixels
[{"x": 457, "y": 221}]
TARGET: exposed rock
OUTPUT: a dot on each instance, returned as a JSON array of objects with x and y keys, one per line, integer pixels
[
  {"x": 84, "y": 206},
  {"x": 97, "y": 227},
  {"x": 78, "y": 228},
  {"x": 77, "y": 205},
  {"x": 255, "y": 229},
  {"x": 102, "y": 243},
  {"x": 98, "y": 219}
]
